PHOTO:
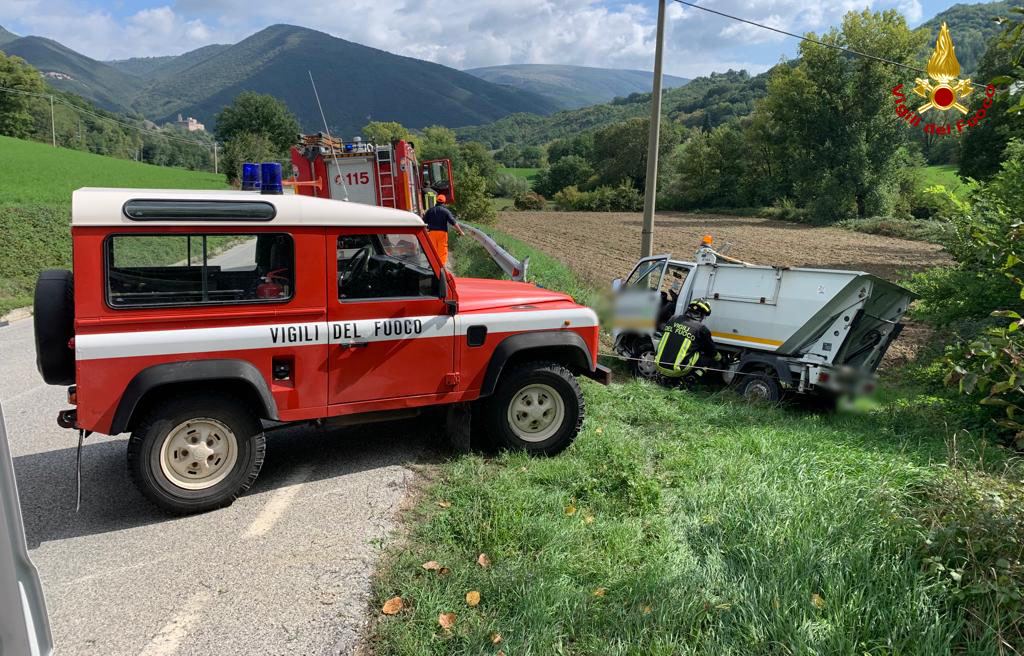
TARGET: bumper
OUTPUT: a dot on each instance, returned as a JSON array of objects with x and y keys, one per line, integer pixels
[{"x": 601, "y": 374}]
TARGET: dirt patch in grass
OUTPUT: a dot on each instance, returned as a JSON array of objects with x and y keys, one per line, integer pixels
[{"x": 602, "y": 246}]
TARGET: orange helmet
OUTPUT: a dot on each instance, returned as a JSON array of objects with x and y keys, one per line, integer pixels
[{"x": 441, "y": 198}]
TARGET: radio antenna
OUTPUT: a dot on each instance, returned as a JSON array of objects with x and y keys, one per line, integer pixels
[{"x": 330, "y": 140}]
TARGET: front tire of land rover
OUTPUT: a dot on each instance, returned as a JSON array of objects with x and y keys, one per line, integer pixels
[
  {"x": 537, "y": 407},
  {"x": 195, "y": 454}
]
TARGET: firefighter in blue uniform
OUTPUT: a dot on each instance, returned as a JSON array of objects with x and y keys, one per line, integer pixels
[{"x": 686, "y": 347}]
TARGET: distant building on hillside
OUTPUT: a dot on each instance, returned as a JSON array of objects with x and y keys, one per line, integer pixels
[{"x": 190, "y": 124}]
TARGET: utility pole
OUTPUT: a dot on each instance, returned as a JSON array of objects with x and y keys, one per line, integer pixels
[
  {"x": 215, "y": 157},
  {"x": 651, "y": 192},
  {"x": 53, "y": 124}
]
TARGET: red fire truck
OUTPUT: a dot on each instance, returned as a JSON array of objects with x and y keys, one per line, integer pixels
[{"x": 368, "y": 173}]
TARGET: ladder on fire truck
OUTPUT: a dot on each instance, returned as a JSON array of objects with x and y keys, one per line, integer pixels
[{"x": 386, "y": 177}]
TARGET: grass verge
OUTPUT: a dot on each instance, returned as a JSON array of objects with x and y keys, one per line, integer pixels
[
  {"x": 35, "y": 205},
  {"x": 682, "y": 523}
]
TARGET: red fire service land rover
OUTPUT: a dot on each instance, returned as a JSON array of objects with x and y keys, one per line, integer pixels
[{"x": 195, "y": 319}]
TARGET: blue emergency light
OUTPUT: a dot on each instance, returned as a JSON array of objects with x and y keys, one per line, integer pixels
[
  {"x": 270, "y": 182},
  {"x": 250, "y": 176}
]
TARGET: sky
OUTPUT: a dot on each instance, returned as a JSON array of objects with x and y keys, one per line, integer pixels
[{"x": 461, "y": 34}]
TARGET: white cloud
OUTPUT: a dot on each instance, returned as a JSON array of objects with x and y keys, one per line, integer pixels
[
  {"x": 97, "y": 33},
  {"x": 462, "y": 35},
  {"x": 912, "y": 9}
]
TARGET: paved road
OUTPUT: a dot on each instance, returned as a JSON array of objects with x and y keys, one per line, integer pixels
[{"x": 285, "y": 570}]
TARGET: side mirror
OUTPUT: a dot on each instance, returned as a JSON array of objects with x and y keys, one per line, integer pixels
[{"x": 617, "y": 284}]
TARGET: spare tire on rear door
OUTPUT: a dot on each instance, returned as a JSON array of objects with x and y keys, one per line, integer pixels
[{"x": 54, "y": 318}]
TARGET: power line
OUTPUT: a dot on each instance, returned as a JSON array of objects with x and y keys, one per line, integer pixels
[
  {"x": 109, "y": 119},
  {"x": 833, "y": 46}
]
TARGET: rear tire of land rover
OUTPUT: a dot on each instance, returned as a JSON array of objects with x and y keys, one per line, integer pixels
[
  {"x": 195, "y": 454},
  {"x": 537, "y": 407}
]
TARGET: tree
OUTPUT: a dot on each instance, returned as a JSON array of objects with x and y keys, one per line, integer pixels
[
  {"x": 620, "y": 151},
  {"x": 581, "y": 145},
  {"x": 708, "y": 170},
  {"x": 246, "y": 147},
  {"x": 471, "y": 201},
  {"x": 532, "y": 157},
  {"x": 437, "y": 142},
  {"x": 569, "y": 171},
  {"x": 258, "y": 114},
  {"x": 509, "y": 156},
  {"x": 385, "y": 132},
  {"x": 474, "y": 154},
  {"x": 836, "y": 114},
  {"x": 16, "y": 109},
  {"x": 982, "y": 146}
]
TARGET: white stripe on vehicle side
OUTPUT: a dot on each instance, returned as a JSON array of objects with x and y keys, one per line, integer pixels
[
  {"x": 238, "y": 338},
  {"x": 520, "y": 320},
  {"x": 196, "y": 340}
]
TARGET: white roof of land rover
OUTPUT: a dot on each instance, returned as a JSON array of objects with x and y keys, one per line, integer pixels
[{"x": 92, "y": 206}]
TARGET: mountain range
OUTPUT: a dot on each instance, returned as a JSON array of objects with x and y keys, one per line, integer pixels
[
  {"x": 572, "y": 87},
  {"x": 356, "y": 83}
]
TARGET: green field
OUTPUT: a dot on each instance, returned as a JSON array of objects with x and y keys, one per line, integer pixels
[
  {"x": 693, "y": 523},
  {"x": 945, "y": 175},
  {"x": 35, "y": 205},
  {"x": 528, "y": 174}
]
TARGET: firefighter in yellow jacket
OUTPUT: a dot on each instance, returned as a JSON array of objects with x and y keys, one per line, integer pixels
[{"x": 686, "y": 346}]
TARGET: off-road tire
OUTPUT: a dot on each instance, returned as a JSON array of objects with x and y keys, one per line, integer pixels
[
  {"x": 548, "y": 378},
  {"x": 147, "y": 440},
  {"x": 759, "y": 388}
]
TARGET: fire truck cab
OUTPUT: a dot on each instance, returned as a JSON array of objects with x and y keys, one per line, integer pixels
[
  {"x": 194, "y": 320},
  {"x": 384, "y": 175}
]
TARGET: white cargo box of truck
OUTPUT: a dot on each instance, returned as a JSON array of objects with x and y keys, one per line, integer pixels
[{"x": 807, "y": 330}]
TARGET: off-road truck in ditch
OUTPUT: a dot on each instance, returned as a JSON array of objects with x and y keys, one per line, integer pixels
[{"x": 193, "y": 320}]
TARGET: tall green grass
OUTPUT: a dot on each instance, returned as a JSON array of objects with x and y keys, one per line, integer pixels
[
  {"x": 692, "y": 523},
  {"x": 35, "y": 205}
]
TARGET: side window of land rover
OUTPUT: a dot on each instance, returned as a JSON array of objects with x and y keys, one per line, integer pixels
[
  {"x": 199, "y": 269},
  {"x": 383, "y": 265}
]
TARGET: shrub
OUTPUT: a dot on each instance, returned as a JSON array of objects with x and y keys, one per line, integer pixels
[
  {"x": 785, "y": 209},
  {"x": 506, "y": 185},
  {"x": 623, "y": 198},
  {"x": 986, "y": 242},
  {"x": 529, "y": 201},
  {"x": 916, "y": 229}
]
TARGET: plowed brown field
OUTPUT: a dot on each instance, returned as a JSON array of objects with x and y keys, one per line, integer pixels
[{"x": 602, "y": 246}]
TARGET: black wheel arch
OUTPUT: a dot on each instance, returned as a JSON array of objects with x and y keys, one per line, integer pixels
[
  {"x": 242, "y": 378},
  {"x": 564, "y": 347}
]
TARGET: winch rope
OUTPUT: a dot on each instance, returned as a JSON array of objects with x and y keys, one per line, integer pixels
[{"x": 626, "y": 358}]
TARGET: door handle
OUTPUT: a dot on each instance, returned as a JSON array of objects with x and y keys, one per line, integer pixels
[{"x": 354, "y": 344}]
